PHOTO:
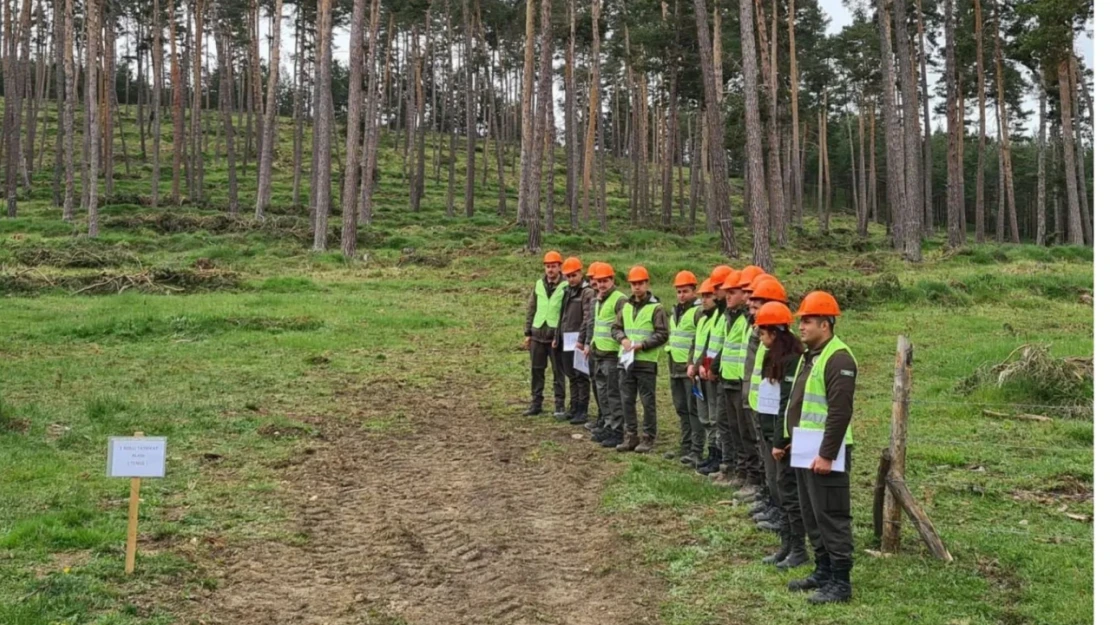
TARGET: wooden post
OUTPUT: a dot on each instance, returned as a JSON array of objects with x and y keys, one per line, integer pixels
[
  {"x": 903, "y": 377},
  {"x": 132, "y": 523},
  {"x": 880, "y": 493},
  {"x": 897, "y": 490}
]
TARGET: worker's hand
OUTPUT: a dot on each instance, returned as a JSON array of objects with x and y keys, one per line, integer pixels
[
  {"x": 527, "y": 342},
  {"x": 637, "y": 347},
  {"x": 626, "y": 344},
  {"x": 821, "y": 466},
  {"x": 702, "y": 373},
  {"x": 585, "y": 351},
  {"x": 778, "y": 454},
  {"x": 690, "y": 372}
]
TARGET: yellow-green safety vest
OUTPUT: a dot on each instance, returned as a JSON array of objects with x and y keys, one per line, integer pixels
[
  {"x": 757, "y": 377},
  {"x": 682, "y": 335},
  {"x": 638, "y": 327},
  {"x": 604, "y": 316},
  {"x": 735, "y": 350},
  {"x": 548, "y": 309},
  {"x": 716, "y": 334},
  {"x": 702, "y": 336},
  {"x": 815, "y": 404}
]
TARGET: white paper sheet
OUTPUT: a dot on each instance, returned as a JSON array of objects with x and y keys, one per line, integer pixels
[
  {"x": 626, "y": 359},
  {"x": 804, "y": 445},
  {"x": 770, "y": 393},
  {"x": 570, "y": 339},
  {"x": 581, "y": 362}
]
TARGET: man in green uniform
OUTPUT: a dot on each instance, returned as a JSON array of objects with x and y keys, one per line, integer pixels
[
  {"x": 751, "y": 440},
  {"x": 574, "y": 322},
  {"x": 541, "y": 324},
  {"x": 704, "y": 318},
  {"x": 592, "y": 357},
  {"x": 822, "y": 400},
  {"x": 715, "y": 340},
  {"x": 679, "y": 347},
  {"x": 640, "y": 328},
  {"x": 605, "y": 350}
]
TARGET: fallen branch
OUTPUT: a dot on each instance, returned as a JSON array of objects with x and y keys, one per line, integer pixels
[{"x": 1018, "y": 417}]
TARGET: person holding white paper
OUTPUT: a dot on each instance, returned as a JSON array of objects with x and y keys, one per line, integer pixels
[
  {"x": 606, "y": 350},
  {"x": 574, "y": 321},
  {"x": 679, "y": 345},
  {"x": 822, "y": 401},
  {"x": 641, "y": 327}
]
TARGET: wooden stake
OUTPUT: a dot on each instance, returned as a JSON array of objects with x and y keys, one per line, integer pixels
[
  {"x": 897, "y": 489},
  {"x": 903, "y": 374},
  {"x": 132, "y": 523},
  {"x": 880, "y": 493}
]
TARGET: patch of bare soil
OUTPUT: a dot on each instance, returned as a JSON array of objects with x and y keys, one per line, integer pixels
[{"x": 451, "y": 522}]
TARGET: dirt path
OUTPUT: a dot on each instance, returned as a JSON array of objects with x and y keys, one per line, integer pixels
[{"x": 460, "y": 520}]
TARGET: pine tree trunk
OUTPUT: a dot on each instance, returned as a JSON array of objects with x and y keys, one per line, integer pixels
[
  {"x": 914, "y": 210},
  {"x": 981, "y": 164},
  {"x": 68, "y": 114},
  {"x": 59, "y": 100},
  {"x": 1075, "y": 220},
  {"x": 254, "y": 135},
  {"x": 92, "y": 49},
  {"x": 1041, "y": 119},
  {"x": 321, "y": 128},
  {"x": 570, "y": 127},
  {"x": 775, "y": 188},
  {"x": 351, "y": 179},
  {"x": 927, "y": 166},
  {"x": 873, "y": 176},
  {"x": 952, "y": 187},
  {"x": 198, "y": 149},
  {"x": 864, "y": 205},
  {"x": 527, "y": 79},
  {"x": 796, "y": 149},
  {"x": 549, "y": 149},
  {"x": 895, "y": 146},
  {"x": 107, "y": 95},
  {"x": 761, "y": 232},
  {"x": 156, "y": 104},
  {"x": 452, "y": 106},
  {"x": 223, "y": 59},
  {"x": 1080, "y": 157},
  {"x": 591, "y": 139},
  {"x": 1004, "y": 131},
  {"x": 178, "y": 88},
  {"x": 269, "y": 117},
  {"x": 471, "y": 117},
  {"x": 539, "y": 127},
  {"x": 1000, "y": 214},
  {"x": 370, "y": 137}
]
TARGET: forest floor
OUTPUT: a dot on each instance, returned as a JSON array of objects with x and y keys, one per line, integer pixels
[{"x": 345, "y": 445}]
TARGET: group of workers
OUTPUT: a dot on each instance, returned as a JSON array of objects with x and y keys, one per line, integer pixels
[{"x": 745, "y": 387}]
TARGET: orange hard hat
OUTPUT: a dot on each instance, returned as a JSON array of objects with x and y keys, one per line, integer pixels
[
  {"x": 733, "y": 280},
  {"x": 552, "y": 257},
  {"x": 720, "y": 272},
  {"x": 774, "y": 314},
  {"x": 685, "y": 278},
  {"x": 590, "y": 271},
  {"x": 706, "y": 287},
  {"x": 572, "y": 265},
  {"x": 603, "y": 270},
  {"x": 820, "y": 304},
  {"x": 638, "y": 274},
  {"x": 769, "y": 289},
  {"x": 756, "y": 280},
  {"x": 747, "y": 274}
]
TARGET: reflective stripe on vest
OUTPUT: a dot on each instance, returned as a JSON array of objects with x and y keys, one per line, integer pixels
[
  {"x": 757, "y": 378},
  {"x": 701, "y": 336},
  {"x": 717, "y": 326},
  {"x": 548, "y": 309},
  {"x": 604, "y": 316},
  {"x": 815, "y": 403},
  {"x": 735, "y": 350},
  {"x": 638, "y": 327},
  {"x": 682, "y": 336}
]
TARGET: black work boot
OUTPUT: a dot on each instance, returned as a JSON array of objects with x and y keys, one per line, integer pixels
[
  {"x": 578, "y": 414},
  {"x": 837, "y": 590},
  {"x": 533, "y": 410},
  {"x": 784, "y": 549},
  {"x": 821, "y": 574},
  {"x": 615, "y": 438},
  {"x": 600, "y": 434},
  {"x": 712, "y": 464},
  {"x": 798, "y": 554}
]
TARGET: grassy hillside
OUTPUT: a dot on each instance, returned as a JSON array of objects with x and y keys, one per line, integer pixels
[{"x": 245, "y": 349}]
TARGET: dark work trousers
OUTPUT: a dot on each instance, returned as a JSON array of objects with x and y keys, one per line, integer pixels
[
  {"x": 542, "y": 353},
  {"x": 770, "y": 467},
  {"x": 745, "y": 452},
  {"x": 685, "y": 405},
  {"x": 639, "y": 381},
  {"x": 579, "y": 383},
  {"x": 827, "y": 513},
  {"x": 602, "y": 407},
  {"x": 609, "y": 377},
  {"x": 788, "y": 496},
  {"x": 707, "y": 411},
  {"x": 728, "y": 432}
]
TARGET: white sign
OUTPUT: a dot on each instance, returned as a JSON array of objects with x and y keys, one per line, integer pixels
[
  {"x": 570, "y": 341},
  {"x": 805, "y": 444},
  {"x": 581, "y": 362},
  {"x": 130, "y": 456}
]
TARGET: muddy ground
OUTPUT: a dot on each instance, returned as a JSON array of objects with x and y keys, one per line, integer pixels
[{"x": 461, "y": 518}]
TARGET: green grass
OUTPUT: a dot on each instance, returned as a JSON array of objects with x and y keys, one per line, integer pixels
[{"x": 248, "y": 376}]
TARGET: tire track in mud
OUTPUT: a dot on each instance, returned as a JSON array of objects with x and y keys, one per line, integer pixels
[{"x": 453, "y": 522}]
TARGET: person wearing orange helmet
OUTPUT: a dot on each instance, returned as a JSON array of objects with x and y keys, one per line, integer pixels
[
  {"x": 680, "y": 345},
  {"x": 772, "y": 381},
  {"x": 704, "y": 319},
  {"x": 640, "y": 328},
  {"x": 740, "y": 463},
  {"x": 822, "y": 400},
  {"x": 574, "y": 321},
  {"x": 541, "y": 325},
  {"x": 592, "y": 357},
  {"x": 605, "y": 350},
  {"x": 715, "y": 338}
]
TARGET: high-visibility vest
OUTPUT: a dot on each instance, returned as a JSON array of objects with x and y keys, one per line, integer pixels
[
  {"x": 735, "y": 350},
  {"x": 604, "y": 316},
  {"x": 682, "y": 336},
  {"x": 702, "y": 336},
  {"x": 815, "y": 404},
  {"x": 717, "y": 328},
  {"x": 548, "y": 309},
  {"x": 638, "y": 327},
  {"x": 757, "y": 378}
]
